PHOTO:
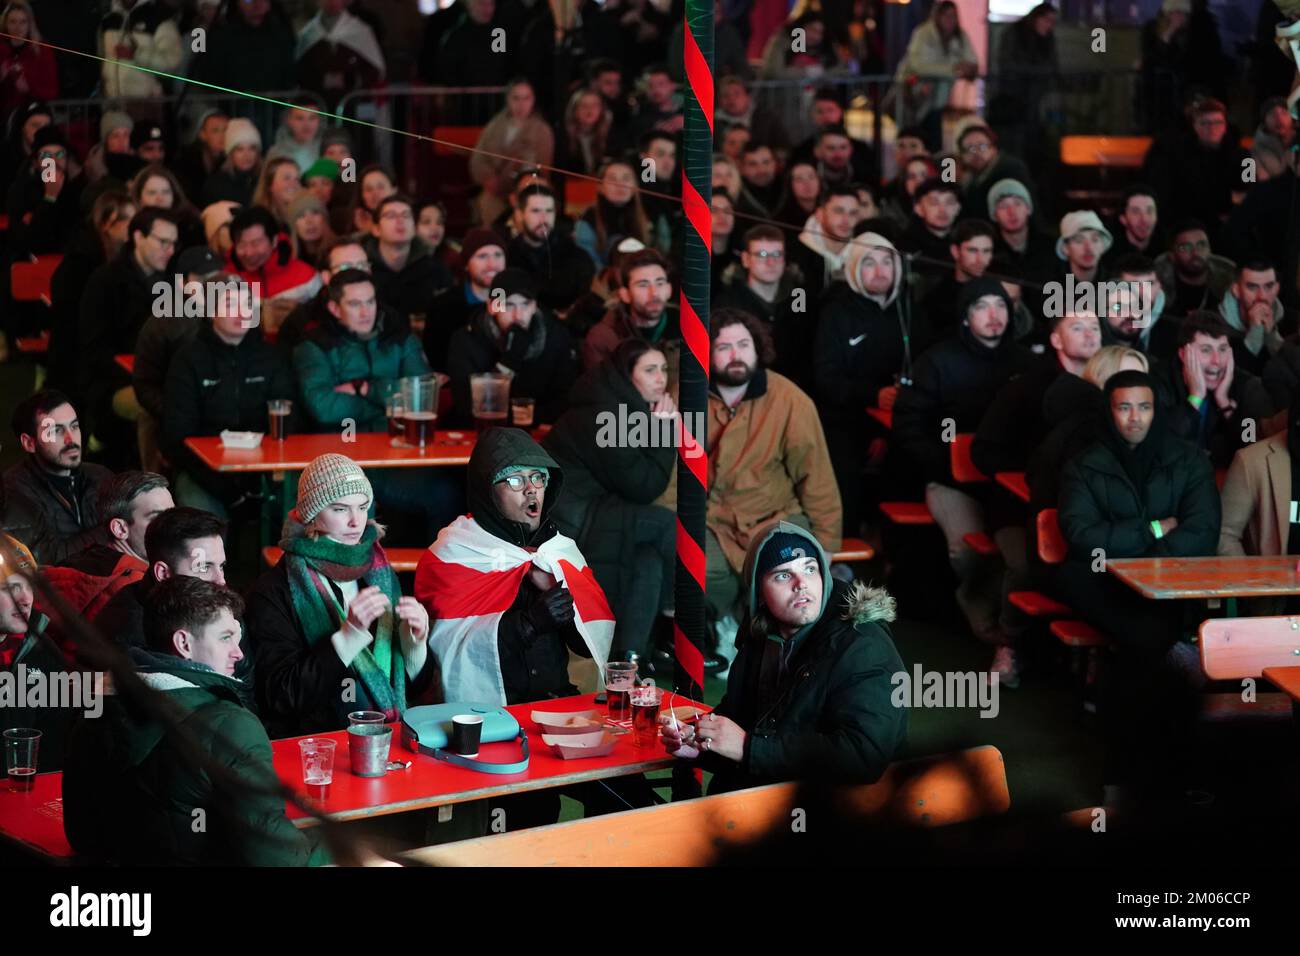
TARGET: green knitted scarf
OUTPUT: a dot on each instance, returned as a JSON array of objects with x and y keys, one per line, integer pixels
[{"x": 381, "y": 667}]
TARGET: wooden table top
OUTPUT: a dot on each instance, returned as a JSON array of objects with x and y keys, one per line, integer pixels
[
  {"x": 1213, "y": 577},
  {"x": 1014, "y": 482},
  {"x": 370, "y": 450},
  {"x": 433, "y": 783},
  {"x": 126, "y": 362},
  {"x": 1286, "y": 679}
]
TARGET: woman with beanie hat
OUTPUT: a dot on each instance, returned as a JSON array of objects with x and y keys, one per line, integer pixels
[
  {"x": 329, "y": 628},
  {"x": 309, "y": 229},
  {"x": 236, "y": 177}
]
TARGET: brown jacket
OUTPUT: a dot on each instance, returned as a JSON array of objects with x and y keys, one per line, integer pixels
[
  {"x": 768, "y": 460},
  {"x": 1257, "y": 499}
]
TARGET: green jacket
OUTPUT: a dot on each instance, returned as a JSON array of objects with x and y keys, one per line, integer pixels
[
  {"x": 832, "y": 721},
  {"x": 131, "y": 797},
  {"x": 333, "y": 356}
]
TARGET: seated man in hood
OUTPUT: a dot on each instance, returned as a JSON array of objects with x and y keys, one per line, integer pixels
[
  {"x": 809, "y": 694},
  {"x": 508, "y": 594},
  {"x": 132, "y": 792},
  {"x": 864, "y": 347},
  {"x": 952, "y": 387}
]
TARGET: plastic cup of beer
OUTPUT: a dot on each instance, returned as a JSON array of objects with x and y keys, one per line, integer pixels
[
  {"x": 522, "y": 411},
  {"x": 317, "y": 760},
  {"x": 395, "y": 409},
  {"x": 620, "y": 679},
  {"x": 366, "y": 717},
  {"x": 490, "y": 399},
  {"x": 645, "y": 715},
  {"x": 22, "y": 753},
  {"x": 419, "y": 397},
  {"x": 277, "y": 418}
]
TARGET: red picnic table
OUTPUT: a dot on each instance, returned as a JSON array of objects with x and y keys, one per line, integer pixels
[
  {"x": 432, "y": 783},
  {"x": 33, "y": 820},
  {"x": 1239, "y": 576}
]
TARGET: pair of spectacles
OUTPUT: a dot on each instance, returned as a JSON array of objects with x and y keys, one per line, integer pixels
[
  {"x": 768, "y": 254},
  {"x": 53, "y": 154},
  {"x": 976, "y": 148},
  {"x": 519, "y": 482},
  {"x": 161, "y": 241},
  {"x": 397, "y": 214}
]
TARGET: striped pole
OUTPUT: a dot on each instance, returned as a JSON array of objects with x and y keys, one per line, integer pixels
[{"x": 692, "y": 465}]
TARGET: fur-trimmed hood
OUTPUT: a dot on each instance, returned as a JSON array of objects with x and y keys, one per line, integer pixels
[{"x": 865, "y": 604}]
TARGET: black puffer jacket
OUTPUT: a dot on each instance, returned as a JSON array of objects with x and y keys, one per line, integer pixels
[
  {"x": 1101, "y": 508},
  {"x": 831, "y": 718},
  {"x": 411, "y": 288},
  {"x": 213, "y": 385},
  {"x": 37, "y": 514},
  {"x": 563, "y": 271},
  {"x": 118, "y": 300},
  {"x": 608, "y": 484},
  {"x": 956, "y": 379}
]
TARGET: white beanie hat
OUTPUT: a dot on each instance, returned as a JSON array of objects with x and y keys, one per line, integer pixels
[
  {"x": 240, "y": 131},
  {"x": 1073, "y": 223}
]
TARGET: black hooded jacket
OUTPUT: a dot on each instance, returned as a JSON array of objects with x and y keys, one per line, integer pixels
[
  {"x": 1110, "y": 494},
  {"x": 534, "y": 663},
  {"x": 610, "y": 484},
  {"x": 956, "y": 379}
]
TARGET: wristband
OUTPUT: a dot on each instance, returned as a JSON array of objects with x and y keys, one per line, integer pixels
[
  {"x": 1197, "y": 401},
  {"x": 1156, "y": 530}
]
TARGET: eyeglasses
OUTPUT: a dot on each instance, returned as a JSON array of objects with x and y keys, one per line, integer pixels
[
  {"x": 976, "y": 148},
  {"x": 163, "y": 242},
  {"x": 519, "y": 482},
  {"x": 52, "y": 154},
  {"x": 397, "y": 214},
  {"x": 1201, "y": 245},
  {"x": 768, "y": 254}
]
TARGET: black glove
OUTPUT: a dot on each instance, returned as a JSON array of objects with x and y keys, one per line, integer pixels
[{"x": 551, "y": 611}]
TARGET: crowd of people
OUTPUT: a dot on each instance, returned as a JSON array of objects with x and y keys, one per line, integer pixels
[{"x": 1122, "y": 356}]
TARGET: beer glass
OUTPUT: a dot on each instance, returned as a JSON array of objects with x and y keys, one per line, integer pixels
[
  {"x": 645, "y": 714},
  {"x": 419, "y": 397},
  {"x": 490, "y": 397},
  {"x": 22, "y": 750},
  {"x": 277, "y": 417},
  {"x": 620, "y": 678}
]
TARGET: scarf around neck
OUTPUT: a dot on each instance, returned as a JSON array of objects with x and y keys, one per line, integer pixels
[{"x": 311, "y": 564}]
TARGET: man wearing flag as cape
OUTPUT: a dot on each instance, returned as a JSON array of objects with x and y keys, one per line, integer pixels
[{"x": 507, "y": 594}]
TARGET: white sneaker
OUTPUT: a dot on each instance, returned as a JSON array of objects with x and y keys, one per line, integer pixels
[
  {"x": 1006, "y": 667},
  {"x": 726, "y": 630}
]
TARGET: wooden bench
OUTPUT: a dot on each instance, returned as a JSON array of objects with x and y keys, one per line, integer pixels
[
  {"x": 963, "y": 470},
  {"x": 853, "y": 549},
  {"x": 1123, "y": 151},
  {"x": 402, "y": 559},
  {"x": 1234, "y": 648},
  {"x": 928, "y": 792}
]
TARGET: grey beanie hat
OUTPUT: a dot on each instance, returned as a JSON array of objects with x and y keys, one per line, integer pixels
[
  {"x": 327, "y": 479},
  {"x": 114, "y": 119},
  {"x": 1008, "y": 187}
]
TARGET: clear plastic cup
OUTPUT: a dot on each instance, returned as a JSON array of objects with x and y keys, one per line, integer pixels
[{"x": 317, "y": 760}]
